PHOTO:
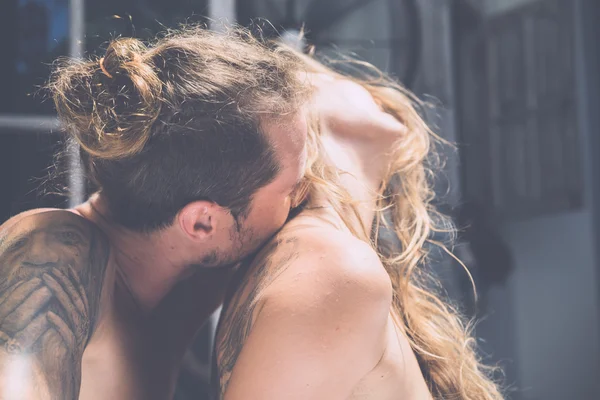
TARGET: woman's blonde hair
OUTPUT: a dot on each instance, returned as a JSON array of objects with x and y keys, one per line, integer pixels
[{"x": 441, "y": 339}]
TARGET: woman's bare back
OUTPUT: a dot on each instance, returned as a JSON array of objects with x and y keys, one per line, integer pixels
[{"x": 395, "y": 375}]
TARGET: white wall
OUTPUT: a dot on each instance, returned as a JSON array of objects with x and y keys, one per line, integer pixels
[
  {"x": 499, "y": 6},
  {"x": 555, "y": 306},
  {"x": 553, "y": 294}
]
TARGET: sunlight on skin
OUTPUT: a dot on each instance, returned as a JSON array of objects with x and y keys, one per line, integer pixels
[{"x": 18, "y": 378}]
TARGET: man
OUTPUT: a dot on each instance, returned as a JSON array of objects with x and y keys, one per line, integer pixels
[{"x": 196, "y": 146}]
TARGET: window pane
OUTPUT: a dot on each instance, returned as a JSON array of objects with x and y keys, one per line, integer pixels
[
  {"x": 33, "y": 33},
  {"x": 26, "y": 178},
  {"x": 137, "y": 18}
]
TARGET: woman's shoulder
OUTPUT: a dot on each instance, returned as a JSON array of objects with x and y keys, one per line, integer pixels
[{"x": 316, "y": 260}]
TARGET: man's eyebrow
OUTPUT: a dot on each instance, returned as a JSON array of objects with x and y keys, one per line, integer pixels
[
  {"x": 70, "y": 226},
  {"x": 7, "y": 241}
]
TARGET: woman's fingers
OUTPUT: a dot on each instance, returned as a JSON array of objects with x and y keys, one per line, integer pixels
[
  {"x": 67, "y": 303},
  {"x": 70, "y": 289},
  {"x": 63, "y": 330},
  {"x": 26, "y": 338},
  {"x": 27, "y": 309},
  {"x": 17, "y": 296},
  {"x": 78, "y": 286}
]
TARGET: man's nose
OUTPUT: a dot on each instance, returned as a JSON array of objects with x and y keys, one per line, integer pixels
[{"x": 40, "y": 253}]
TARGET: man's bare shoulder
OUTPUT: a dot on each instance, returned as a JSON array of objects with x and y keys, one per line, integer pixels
[
  {"x": 41, "y": 213},
  {"x": 53, "y": 265},
  {"x": 19, "y": 217}
]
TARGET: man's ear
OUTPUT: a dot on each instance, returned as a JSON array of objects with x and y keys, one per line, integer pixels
[{"x": 199, "y": 219}]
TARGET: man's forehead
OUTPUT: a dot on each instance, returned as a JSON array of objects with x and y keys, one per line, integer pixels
[
  {"x": 28, "y": 224},
  {"x": 290, "y": 128}
]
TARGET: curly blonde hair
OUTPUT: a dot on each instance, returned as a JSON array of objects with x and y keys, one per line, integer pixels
[{"x": 440, "y": 337}]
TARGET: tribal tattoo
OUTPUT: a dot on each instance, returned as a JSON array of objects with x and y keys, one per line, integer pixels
[
  {"x": 240, "y": 310},
  {"x": 52, "y": 268}
]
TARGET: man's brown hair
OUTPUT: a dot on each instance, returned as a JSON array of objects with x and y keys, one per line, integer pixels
[{"x": 178, "y": 120}]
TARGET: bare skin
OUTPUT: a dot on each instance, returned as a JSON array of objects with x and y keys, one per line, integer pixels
[{"x": 310, "y": 317}]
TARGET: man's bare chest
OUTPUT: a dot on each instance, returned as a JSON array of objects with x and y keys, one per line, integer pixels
[{"x": 135, "y": 355}]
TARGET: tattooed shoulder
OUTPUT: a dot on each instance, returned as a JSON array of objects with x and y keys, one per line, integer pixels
[
  {"x": 242, "y": 306},
  {"x": 52, "y": 270}
]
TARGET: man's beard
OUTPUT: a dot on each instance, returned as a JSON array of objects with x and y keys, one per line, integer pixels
[
  {"x": 243, "y": 243},
  {"x": 24, "y": 272}
]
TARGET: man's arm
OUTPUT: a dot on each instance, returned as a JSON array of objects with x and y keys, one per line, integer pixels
[
  {"x": 52, "y": 271},
  {"x": 320, "y": 329}
]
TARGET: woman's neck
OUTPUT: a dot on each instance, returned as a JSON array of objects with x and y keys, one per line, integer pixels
[
  {"x": 359, "y": 175},
  {"x": 356, "y": 212}
]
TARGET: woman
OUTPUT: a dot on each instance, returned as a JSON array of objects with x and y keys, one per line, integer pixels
[{"x": 326, "y": 310}]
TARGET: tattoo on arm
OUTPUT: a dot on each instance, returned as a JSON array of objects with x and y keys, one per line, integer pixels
[
  {"x": 52, "y": 268},
  {"x": 240, "y": 311}
]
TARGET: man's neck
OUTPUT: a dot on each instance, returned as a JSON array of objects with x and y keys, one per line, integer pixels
[{"x": 149, "y": 264}]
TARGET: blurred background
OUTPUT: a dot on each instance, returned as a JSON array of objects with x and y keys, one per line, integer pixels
[{"x": 514, "y": 84}]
